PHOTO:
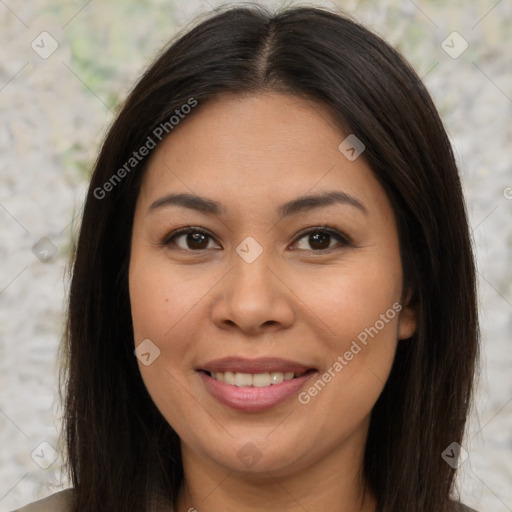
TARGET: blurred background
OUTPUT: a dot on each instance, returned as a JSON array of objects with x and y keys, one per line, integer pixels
[{"x": 65, "y": 66}]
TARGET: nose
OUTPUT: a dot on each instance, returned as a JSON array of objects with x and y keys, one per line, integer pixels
[{"x": 254, "y": 298}]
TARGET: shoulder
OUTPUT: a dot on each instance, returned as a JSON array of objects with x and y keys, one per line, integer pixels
[
  {"x": 459, "y": 507},
  {"x": 58, "y": 502}
]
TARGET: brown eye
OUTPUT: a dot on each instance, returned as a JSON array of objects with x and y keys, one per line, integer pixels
[
  {"x": 318, "y": 239},
  {"x": 321, "y": 239},
  {"x": 192, "y": 239}
]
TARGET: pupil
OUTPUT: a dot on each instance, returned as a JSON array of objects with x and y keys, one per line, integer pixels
[
  {"x": 316, "y": 237},
  {"x": 197, "y": 238}
]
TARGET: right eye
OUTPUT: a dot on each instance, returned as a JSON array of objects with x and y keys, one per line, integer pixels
[{"x": 194, "y": 239}]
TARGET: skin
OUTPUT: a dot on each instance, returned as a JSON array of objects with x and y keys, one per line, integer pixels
[{"x": 199, "y": 302}]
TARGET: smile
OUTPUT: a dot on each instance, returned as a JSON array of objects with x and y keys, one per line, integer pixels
[{"x": 253, "y": 385}]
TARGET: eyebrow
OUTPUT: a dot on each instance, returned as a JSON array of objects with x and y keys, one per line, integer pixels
[{"x": 293, "y": 207}]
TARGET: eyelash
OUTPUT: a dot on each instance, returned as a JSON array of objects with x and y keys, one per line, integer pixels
[{"x": 344, "y": 240}]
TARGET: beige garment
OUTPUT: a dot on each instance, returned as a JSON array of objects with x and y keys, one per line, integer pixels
[
  {"x": 61, "y": 502},
  {"x": 58, "y": 502}
]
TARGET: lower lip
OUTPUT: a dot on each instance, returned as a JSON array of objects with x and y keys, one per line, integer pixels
[{"x": 251, "y": 398}]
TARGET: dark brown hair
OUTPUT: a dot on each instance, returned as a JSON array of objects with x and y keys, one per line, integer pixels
[{"x": 121, "y": 451}]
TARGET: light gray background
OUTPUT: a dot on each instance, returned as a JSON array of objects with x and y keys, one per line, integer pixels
[{"x": 55, "y": 111}]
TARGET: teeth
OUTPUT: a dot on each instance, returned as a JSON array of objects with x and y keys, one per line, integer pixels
[
  {"x": 243, "y": 379},
  {"x": 228, "y": 377},
  {"x": 276, "y": 377},
  {"x": 260, "y": 380},
  {"x": 257, "y": 380}
]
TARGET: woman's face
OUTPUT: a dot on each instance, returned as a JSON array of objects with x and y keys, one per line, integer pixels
[{"x": 269, "y": 330}]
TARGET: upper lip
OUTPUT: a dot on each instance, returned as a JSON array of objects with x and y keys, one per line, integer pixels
[{"x": 259, "y": 365}]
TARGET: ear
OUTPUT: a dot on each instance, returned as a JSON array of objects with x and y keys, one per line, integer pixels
[{"x": 408, "y": 318}]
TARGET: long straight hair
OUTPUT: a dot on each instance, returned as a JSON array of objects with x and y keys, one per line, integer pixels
[{"x": 122, "y": 454}]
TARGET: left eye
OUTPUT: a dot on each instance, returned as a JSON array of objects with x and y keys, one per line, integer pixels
[
  {"x": 320, "y": 239},
  {"x": 196, "y": 239}
]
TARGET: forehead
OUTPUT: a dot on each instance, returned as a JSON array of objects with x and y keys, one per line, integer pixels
[{"x": 257, "y": 147}]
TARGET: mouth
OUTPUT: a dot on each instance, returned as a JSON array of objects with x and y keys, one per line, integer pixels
[{"x": 254, "y": 385}]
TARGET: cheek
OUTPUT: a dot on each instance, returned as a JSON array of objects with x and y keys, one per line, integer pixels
[
  {"x": 353, "y": 298},
  {"x": 162, "y": 306},
  {"x": 160, "y": 301},
  {"x": 358, "y": 308},
  {"x": 361, "y": 308}
]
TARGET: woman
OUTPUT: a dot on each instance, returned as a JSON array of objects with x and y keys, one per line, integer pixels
[{"x": 273, "y": 295}]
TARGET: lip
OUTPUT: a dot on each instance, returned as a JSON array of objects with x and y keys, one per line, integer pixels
[{"x": 254, "y": 399}]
